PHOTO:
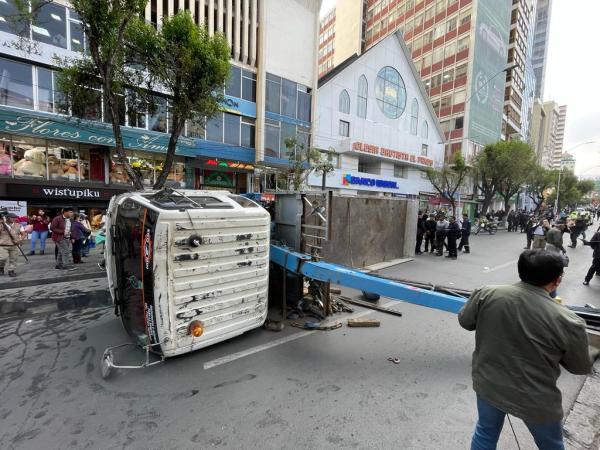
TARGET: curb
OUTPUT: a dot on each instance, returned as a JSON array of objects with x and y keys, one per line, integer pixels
[
  {"x": 38, "y": 282},
  {"x": 582, "y": 426}
]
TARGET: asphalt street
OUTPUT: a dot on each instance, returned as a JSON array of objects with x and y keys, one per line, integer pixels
[{"x": 288, "y": 390}]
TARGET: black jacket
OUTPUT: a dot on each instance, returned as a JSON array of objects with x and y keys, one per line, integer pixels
[
  {"x": 420, "y": 226},
  {"x": 430, "y": 226},
  {"x": 595, "y": 244},
  {"x": 453, "y": 230},
  {"x": 466, "y": 227}
]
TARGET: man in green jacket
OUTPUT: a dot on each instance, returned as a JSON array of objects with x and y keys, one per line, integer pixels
[{"x": 522, "y": 337}]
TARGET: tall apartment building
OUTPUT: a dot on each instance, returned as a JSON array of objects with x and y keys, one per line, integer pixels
[
  {"x": 560, "y": 135},
  {"x": 547, "y": 133},
  {"x": 460, "y": 48},
  {"x": 519, "y": 88},
  {"x": 540, "y": 45},
  {"x": 326, "y": 43},
  {"x": 45, "y": 156}
]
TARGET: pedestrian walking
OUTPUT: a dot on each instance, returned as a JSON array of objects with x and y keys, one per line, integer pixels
[
  {"x": 87, "y": 243},
  {"x": 78, "y": 236},
  {"x": 595, "y": 267},
  {"x": 441, "y": 229},
  {"x": 430, "y": 234},
  {"x": 576, "y": 230},
  {"x": 39, "y": 222},
  {"x": 452, "y": 234},
  {"x": 539, "y": 233},
  {"x": 10, "y": 238},
  {"x": 61, "y": 231},
  {"x": 531, "y": 223},
  {"x": 420, "y": 232},
  {"x": 465, "y": 232},
  {"x": 523, "y": 337},
  {"x": 510, "y": 220}
]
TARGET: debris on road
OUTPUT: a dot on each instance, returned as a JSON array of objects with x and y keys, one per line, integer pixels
[
  {"x": 363, "y": 323},
  {"x": 394, "y": 360},
  {"x": 371, "y": 306},
  {"x": 317, "y": 326}
]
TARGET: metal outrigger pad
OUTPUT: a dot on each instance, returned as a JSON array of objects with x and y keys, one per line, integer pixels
[{"x": 108, "y": 359}]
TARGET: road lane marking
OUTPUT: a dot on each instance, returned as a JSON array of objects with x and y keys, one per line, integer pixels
[
  {"x": 284, "y": 340},
  {"x": 501, "y": 266}
]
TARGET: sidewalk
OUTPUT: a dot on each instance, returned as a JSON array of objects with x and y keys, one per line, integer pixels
[{"x": 40, "y": 269}]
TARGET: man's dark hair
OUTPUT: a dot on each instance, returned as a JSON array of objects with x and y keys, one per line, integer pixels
[
  {"x": 67, "y": 209},
  {"x": 539, "y": 267}
]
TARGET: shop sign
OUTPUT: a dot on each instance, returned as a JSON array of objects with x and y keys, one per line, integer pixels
[
  {"x": 391, "y": 154},
  {"x": 219, "y": 179},
  {"x": 239, "y": 106},
  {"x": 16, "y": 207},
  {"x": 59, "y": 192},
  {"x": 349, "y": 179},
  {"x": 90, "y": 132},
  {"x": 229, "y": 164}
]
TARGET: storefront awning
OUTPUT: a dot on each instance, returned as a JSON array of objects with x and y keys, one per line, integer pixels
[{"x": 53, "y": 126}]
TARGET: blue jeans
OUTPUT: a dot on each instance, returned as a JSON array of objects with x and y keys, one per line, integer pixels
[
  {"x": 547, "y": 436},
  {"x": 41, "y": 235}
]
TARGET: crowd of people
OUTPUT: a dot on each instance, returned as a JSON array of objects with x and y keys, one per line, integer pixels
[
  {"x": 72, "y": 234},
  {"x": 441, "y": 233},
  {"x": 543, "y": 230}
]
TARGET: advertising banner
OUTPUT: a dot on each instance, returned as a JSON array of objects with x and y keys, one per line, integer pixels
[
  {"x": 490, "y": 58},
  {"x": 15, "y": 207}
]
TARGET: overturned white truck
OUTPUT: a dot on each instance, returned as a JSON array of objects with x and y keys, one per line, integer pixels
[{"x": 186, "y": 269}]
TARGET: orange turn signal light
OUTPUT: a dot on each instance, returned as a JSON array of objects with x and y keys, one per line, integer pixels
[{"x": 196, "y": 328}]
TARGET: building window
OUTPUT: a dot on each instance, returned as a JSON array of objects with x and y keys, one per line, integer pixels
[
  {"x": 234, "y": 82},
  {"x": 248, "y": 132},
  {"x": 344, "y": 102},
  {"x": 16, "y": 84},
  {"x": 463, "y": 44},
  {"x": 425, "y": 130},
  {"x": 414, "y": 116},
  {"x": 272, "y": 131},
  {"x": 363, "y": 91},
  {"x": 157, "y": 121},
  {"x": 248, "y": 85},
  {"x": 44, "y": 90},
  {"x": 424, "y": 149},
  {"x": 76, "y": 32},
  {"x": 400, "y": 171},
  {"x": 196, "y": 128},
  {"x": 344, "y": 128},
  {"x": 231, "y": 129},
  {"x": 304, "y": 106},
  {"x": 273, "y": 94},
  {"x": 288, "y": 131},
  {"x": 214, "y": 128},
  {"x": 458, "y": 123},
  {"x": 8, "y": 11},
  {"x": 289, "y": 91},
  {"x": 50, "y": 25},
  {"x": 390, "y": 92}
]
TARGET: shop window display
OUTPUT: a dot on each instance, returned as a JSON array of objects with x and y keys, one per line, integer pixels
[
  {"x": 144, "y": 165},
  {"x": 28, "y": 157},
  {"x": 5, "y": 165},
  {"x": 65, "y": 161},
  {"x": 118, "y": 174}
]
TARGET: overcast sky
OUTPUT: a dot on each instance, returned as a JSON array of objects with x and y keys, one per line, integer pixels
[{"x": 572, "y": 73}]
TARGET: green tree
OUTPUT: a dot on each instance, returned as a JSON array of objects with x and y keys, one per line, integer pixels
[
  {"x": 586, "y": 186},
  {"x": 569, "y": 195},
  {"x": 516, "y": 160},
  {"x": 303, "y": 161},
  {"x": 449, "y": 178},
  {"x": 190, "y": 65},
  {"x": 538, "y": 183},
  {"x": 486, "y": 174}
]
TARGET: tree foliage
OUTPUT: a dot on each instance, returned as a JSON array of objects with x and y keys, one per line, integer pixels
[
  {"x": 449, "y": 178},
  {"x": 486, "y": 175},
  {"x": 571, "y": 190},
  {"x": 538, "y": 183},
  {"x": 303, "y": 161},
  {"x": 516, "y": 159}
]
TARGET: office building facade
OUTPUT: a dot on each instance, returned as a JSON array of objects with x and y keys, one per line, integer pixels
[
  {"x": 547, "y": 133},
  {"x": 48, "y": 154},
  {"x": 540, "y": 44}
]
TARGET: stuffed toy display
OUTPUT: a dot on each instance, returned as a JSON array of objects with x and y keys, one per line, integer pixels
[
  {"x": 70, "y": 169},
  {"x": 118, "y": 175},
  {"x": 55, "y": 168},
  {"x": 5, "y": 168},
  {"x": 33, "y": 163}
]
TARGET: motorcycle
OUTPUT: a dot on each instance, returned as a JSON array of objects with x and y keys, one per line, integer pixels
[{"x": 485, "y": 225}]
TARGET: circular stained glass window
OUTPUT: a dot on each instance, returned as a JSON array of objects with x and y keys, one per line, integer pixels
[{"x": 390, "y": 92}]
